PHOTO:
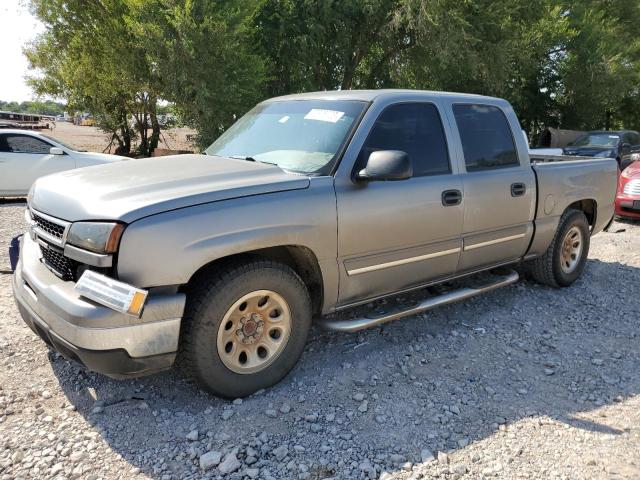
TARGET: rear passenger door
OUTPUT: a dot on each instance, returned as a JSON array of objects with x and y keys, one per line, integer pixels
[
  {"x": 499, "y": 187},
  {"x": 396, "y": 235}
]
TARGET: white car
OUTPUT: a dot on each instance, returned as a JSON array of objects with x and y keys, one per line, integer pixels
[{"x": 26, "y": 155}]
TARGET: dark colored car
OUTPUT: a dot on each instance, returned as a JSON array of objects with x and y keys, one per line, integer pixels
[
  {"x": 628, "y": 197},
  {"x": 622, "y": 145}
]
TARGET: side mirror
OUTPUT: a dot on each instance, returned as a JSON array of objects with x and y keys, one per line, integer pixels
[
  {"x": 56, "y": 151},
  {"x": 626, "y": 147},
  {"x": 386, "y": 165}
]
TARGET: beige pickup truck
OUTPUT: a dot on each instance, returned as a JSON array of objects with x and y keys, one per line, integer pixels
[{"x": 309, "y": 205}]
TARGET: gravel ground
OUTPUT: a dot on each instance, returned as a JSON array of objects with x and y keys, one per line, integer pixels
[{"x": 525, "y": 382}]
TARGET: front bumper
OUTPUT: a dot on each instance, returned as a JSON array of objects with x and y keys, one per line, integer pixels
[
  {"x": 103, "y": 340},
  {"x": 628, "y": 206}
]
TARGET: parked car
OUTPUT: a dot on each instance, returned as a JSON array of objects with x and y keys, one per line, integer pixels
[
  {"x": 624, "y": 146},
  {"x": 628, "y": 197},
  {"x": 309, "y": 205},
  {"x": 26, "y": 155}
]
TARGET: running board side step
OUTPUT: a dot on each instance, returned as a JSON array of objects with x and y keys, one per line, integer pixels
[{"x": 356, "y": 324}]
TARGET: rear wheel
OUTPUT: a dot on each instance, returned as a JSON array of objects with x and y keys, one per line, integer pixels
[
  {"x": 245, "y": 327},
  {"x": 563, "y": 262}
]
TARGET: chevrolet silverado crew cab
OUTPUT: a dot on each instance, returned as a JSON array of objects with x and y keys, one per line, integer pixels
[{"x": 309, "y": 205}]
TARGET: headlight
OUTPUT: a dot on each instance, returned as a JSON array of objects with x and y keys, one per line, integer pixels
[{"x": 95, "y": 236}]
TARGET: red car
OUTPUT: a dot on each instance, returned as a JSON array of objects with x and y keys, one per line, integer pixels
[{"x": 628, "y": 197}]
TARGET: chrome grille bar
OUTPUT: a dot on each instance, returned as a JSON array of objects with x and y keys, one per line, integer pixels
[{"x": 49, "y": 228}]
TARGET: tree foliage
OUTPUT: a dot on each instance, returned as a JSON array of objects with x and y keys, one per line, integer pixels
[
  {"x": 565, "y": 63},
  {"x": 118, "y": 58},
  {"x": 44, "y": 107}
]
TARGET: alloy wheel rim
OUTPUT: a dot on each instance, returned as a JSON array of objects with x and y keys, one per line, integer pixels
[
  {"x": 571, "y": 250},
  {"x": 254, "y": 332}
]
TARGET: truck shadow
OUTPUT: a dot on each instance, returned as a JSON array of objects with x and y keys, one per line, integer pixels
[{"x": 443, "y": 381}]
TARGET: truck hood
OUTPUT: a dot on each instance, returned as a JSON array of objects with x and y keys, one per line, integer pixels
[
  {"x": 128, "y": 191},
  {"x": 633, "y": 170}
]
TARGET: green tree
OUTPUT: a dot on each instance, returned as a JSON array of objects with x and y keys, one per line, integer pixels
[
  {"x": 117, "y": 59},
  {"x": 82, "y": 57},
  {"x": 44, "y": 107},
  {"x": 600, "y": 67},
  {"x": 568, "y": 63},
  {"x": 199, "y": 56},
  {"x": 328, "y": 45}
]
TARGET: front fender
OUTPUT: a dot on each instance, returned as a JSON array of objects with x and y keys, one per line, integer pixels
[{"x": 168, "y": 248}]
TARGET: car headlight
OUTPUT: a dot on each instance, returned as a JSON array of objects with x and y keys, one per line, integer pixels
[{"x": 99, "y": 237}]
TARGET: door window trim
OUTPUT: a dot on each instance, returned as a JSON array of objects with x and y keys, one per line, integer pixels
[
  {"x": 518, "y": 164},
  {"x": 356, "y": 168}
]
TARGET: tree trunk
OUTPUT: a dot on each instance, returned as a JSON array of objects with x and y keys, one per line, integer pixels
[{"x": 155, "y": 126}]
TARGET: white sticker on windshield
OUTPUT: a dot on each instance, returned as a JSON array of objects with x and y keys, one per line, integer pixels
[
  {"x": 284, "y": 119},
  {"x": 614, "y": 136},
  {"x": 324, "y": 115}
]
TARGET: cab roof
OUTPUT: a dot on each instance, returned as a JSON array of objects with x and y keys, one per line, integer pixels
[{"x": 372, "y": 95}]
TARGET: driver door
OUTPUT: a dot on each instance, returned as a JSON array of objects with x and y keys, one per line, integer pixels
[
  {"x": 25, "y": 158},
  {"x": 394, "y": 235}
]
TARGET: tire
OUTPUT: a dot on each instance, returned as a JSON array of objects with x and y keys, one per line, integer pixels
[
  {"x": 559, "y": 267},
  {"x": 220, "y": 296}
]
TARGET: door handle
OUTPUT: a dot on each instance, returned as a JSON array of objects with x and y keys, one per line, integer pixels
[
  {"x": 518, "y": 189},
  {"x": 451, "y": 197}
]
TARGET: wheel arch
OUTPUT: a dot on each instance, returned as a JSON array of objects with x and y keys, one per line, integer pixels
[
  {"x": 299, "y": 258},
  {"x": 587, "y": 206},
  {"x": 547, "y": 225}
]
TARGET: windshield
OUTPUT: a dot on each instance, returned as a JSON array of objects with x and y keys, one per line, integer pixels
[
  {"x": 66, "y": 145},
  {"x": 299, "y": 135},
  {"x": 602, "y": 139}
]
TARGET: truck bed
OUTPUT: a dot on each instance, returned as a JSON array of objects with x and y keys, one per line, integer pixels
[{"x": 563, "y": 180}]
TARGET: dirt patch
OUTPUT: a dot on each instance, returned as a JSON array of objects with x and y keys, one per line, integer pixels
[{"x": 94, "y": 140}]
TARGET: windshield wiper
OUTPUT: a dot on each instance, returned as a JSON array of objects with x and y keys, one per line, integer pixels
[{"x": 248, "y": 159}]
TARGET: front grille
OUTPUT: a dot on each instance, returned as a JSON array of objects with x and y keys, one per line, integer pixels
[
  {"x": 53, "y": 229},
  {"x": 632, "y": 187},
  {"x": 62, "y": 266}
]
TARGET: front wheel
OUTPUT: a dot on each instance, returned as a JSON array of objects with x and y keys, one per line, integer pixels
[
  {"x": 246, "y": 327},
  {"x": 565, "y": 259}
]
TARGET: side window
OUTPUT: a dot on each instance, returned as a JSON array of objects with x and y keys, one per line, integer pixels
[
  {"x": 487, "y": 141},
  {"x": 26, "y": 144},
  {"x": 3, "y": 144},
  {"x": 631, "y": 138},
  {"x": 414, "y": 128}
]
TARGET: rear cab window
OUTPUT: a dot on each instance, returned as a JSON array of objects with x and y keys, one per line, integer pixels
[{"x": 487, "y": 140}]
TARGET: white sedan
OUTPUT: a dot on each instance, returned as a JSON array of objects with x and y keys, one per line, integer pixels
[{"x": 27, "y": 155}]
